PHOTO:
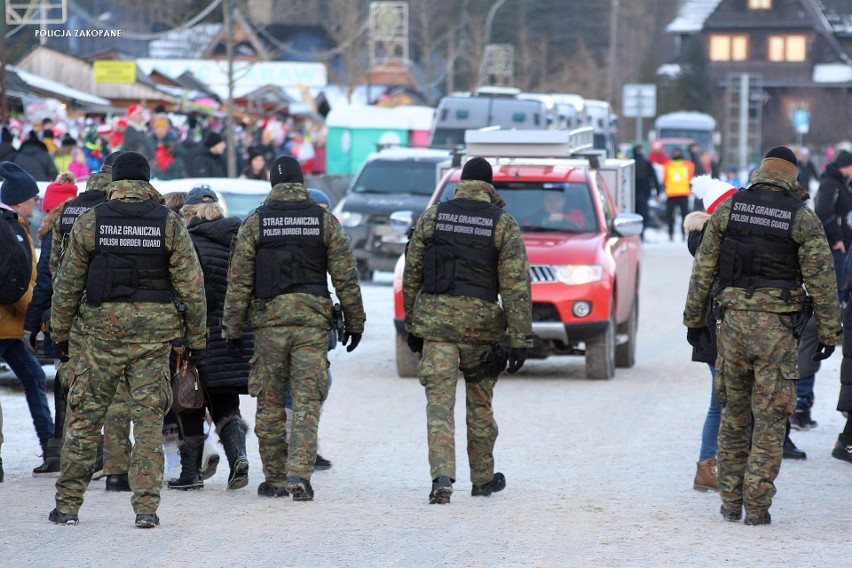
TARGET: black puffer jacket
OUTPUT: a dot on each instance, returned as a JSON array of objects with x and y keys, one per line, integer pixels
[
  {"x": 844, "y": 403},
  {"x": 38, "y": 310},
  {"x": 208, "y": 164},
  {"x": 212, "y": 240},
  {"x": 694, "y": 225},
  {"x": 833, "y": 203},
  {"x": 34, "y": 158}
]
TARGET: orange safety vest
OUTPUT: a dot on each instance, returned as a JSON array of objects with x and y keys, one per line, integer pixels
[{"x": 678, "y": 175}]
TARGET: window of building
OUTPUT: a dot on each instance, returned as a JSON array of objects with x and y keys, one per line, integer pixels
[
  {"x": 759, "y": 4},
  {"x": 788, "y": 48},
  {"x": 728, "y": 47}
]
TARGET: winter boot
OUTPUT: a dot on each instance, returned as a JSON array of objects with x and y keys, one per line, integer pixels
[
  {"x": 801, "y": 420},
  {"x": 59, "y": 518},
  {"x": 233, "y": 438},
  {"x": 706, "y": 478},
  {"x": 50, "y": 467},
  {"x": 842, "y": 450},
  {"x": 190, "y": 462},
  {"x": 300, "y": 488},
  {"x": 442, "y": 489},
  {"x": 209, "y": 458},
  {"x": 731, "y": 515},
  {"x": 755, "y": 520},
  {"x": 267, "y": 490},
  {"x": 1, "y": 470},
  {"x": 791, "y": 452},
  {"x": 321, "y": 463},
  {"x": 147, "y": 521}
]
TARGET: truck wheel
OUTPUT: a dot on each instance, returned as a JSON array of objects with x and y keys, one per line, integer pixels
[
  {"x": 600, "y": 354},
  {"x": 625, "y": 353},
  {"x": 406, "y": 361}
]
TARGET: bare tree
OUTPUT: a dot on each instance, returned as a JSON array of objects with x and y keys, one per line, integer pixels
[
  {"x": 431, "y": 28},
  {"x": 346, "y": 23}
]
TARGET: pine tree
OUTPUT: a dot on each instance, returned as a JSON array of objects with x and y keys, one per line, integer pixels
[{"x": 693, "y": 88}]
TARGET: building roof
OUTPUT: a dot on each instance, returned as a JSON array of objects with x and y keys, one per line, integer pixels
[
  {"x": 692, "y": 15},
  {"x": 57, "y": 89},
  {"x": 184, "y": 43}
]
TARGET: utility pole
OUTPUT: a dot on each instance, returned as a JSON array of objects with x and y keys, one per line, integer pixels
[
  {"x": 231, "y": 149},
  {"x": 613, "y": 51}
]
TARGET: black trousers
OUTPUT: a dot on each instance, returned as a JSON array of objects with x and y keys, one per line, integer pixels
[
  {"x": 222, "y": 405},
  {"x": 682, "y": 204}
]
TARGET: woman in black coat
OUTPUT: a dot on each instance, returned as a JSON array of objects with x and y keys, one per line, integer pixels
[
  {"x": 843, "y": 448},
  {"x": 35, "y": 159},
  {"x": 224, "y": 377}
]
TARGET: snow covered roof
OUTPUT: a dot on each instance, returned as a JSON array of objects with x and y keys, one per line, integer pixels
[
  {"x": 61, "y": 89},
  {"x": 368, "y": 116},
  {"x": 832, "y": 73},
  {"x": 692, "y": 15},
  {"x": 184, "y": 43}
]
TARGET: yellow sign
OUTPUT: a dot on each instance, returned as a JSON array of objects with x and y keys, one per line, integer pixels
[{"x": 111, "y": 71}]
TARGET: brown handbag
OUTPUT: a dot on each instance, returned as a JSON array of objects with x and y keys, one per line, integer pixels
[{"x": 188, "y": 394}]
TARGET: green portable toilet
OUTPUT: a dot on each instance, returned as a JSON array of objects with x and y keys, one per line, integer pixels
[{"x": 354, "y": 132}]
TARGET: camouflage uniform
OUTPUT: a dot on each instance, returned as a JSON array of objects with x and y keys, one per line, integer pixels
[
  {"x": 457, "y": 330},
  {"x": 122, "y": 342},
  {"x": 117, "y": 444},
  {"x": 756, "y": 365},
  {"x": 291, "y": 342}
]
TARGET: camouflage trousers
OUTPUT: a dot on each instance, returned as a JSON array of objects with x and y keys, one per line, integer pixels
[
  {"x": 439, "y": 372},
  {"x": 144, "y": 369},
  {"x": 295, "y": 356},
  {"x": 117, "y": 423},
  {"x": 756, "y": 386}
]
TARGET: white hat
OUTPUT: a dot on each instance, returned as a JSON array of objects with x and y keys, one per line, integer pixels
[{"x": 711, "y": 191}]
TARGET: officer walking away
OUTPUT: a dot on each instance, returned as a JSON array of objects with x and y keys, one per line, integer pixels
[
  {"x": 763, "y": 244},
  {"x": 462, "y": 254},
  {"x": 677, "y": 177},
  {"x": 278, "y": 281},
  {"x": 128, "y": 264}
]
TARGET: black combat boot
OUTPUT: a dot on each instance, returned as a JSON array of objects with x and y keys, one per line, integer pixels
[
  {"x": 148, "y": 521},
  {"x": 50, "y": 467},
  {"x": 190, "y": 465},
  {"x": 442, "y": 489},
  {"x": 117, "y": 482},
  {"x": 755, "y": 520},
  {"x": 497, "y": 483},
  {"x": 731, "y": 515},
  {"x": 300, "y": 488},
  {"x": 267, "y": 490},
  {"x": 60, "y": 518},
  {"x": 1, "y": 470},
  {"x": 791, "y": 452},
  {"x": 233, "y": 438}
]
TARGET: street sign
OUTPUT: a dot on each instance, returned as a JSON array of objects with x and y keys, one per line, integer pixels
[
  {"x": 113, "y": 71},
  {"x": 639, "y": 100},
  {"x": 801, "y": 121}
]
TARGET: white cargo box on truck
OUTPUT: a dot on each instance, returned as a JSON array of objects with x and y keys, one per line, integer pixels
[{"x": 620, "y": 178}]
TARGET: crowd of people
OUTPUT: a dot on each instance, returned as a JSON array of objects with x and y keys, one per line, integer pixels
[{"x": 175, "y": 145}]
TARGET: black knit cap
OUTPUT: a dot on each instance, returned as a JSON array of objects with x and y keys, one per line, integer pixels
[
  {"x": 131, "y": 165},
  {"x": 477, "y": 169},
  {"x": 783, "y": 153},
  {"x": 286, "y": 169},
  {"x": 109, "y": 161},
  {"x": 212, "y": 139},
  {"x": 843, "y": 159}
]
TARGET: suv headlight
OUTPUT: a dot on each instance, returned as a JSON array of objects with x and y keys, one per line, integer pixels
[
  {"x": 350, "y": 218},
  {"x": 576, "y": 274}
]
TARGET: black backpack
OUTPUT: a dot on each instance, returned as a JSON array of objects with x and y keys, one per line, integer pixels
[{"x": 15, "y": 259}]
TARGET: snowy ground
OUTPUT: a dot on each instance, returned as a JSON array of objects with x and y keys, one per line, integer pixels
[{"x": 599, "y": 474}]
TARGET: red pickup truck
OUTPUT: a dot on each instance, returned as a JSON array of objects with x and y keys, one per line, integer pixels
[{"x": 584, "y": 251}]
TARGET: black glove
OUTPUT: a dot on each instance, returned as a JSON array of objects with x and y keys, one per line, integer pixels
[
  {"x": 694, "y": 335},
  {"x": 30, "y": 338},
  {"x": 517, "y": 358},
  {"x": 235, "y": 348},
  {"x": 194, "y": 357},
  {"x": 61, "y": 350},
  {"x": 355, "y": 337},
  {"x": 823, "y": 351},
  {"x": 415, "y": 343}
]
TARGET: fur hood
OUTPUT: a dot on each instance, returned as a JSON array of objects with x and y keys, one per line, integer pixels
[{"x": 695, "y": 221}]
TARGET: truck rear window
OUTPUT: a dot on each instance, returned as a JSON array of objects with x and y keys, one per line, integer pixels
[
  {"x": 381, "y": 176},
  {"x": 544, "y": 207}
]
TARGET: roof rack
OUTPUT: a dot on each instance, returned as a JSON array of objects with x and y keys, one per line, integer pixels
[{"x": 528, "y": 143}]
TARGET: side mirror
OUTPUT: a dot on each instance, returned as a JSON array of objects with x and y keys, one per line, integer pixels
[
  {"x": 627, "y": 224},
  {"x": 401, "y": 221}
]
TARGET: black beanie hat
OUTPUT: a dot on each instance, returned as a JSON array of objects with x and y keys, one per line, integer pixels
[
  {"x": 212, "y": 139},
  {"x": 286, "y": 169},
  {"x": 109, "y": 161},
  {"x": 843, "y": 159},
  {"x": 131, "y": 165},
  {"x": 478, "y": 169},
  {"x": 18, "y": 185},
  {"x": 783, "y": 153},
  {"x": 6, "y": 136}
]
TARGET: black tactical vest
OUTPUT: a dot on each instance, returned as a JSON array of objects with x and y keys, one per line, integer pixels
[
  {"x": 291, "y": 255},
  {"x": 76, "y": 207},
  {"x": 758, "y": 250},
  {"x": 461, "y": 257},
  {"x": 130, "y": 262}
]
